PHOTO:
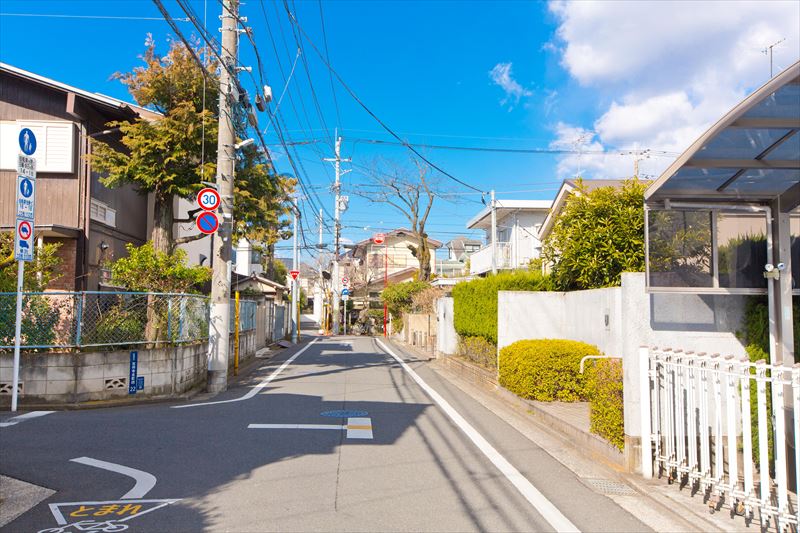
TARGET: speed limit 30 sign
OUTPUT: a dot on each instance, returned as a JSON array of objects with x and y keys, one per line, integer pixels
[{"x": 208, "y": 199}]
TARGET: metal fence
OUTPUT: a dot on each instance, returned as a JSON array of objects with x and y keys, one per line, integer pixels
[
  {"x": 727, "y": 427},
  {"x": 85, "y": 319}
]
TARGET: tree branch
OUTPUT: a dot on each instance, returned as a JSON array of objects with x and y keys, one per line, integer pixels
[{"x": 190, "y": 238}]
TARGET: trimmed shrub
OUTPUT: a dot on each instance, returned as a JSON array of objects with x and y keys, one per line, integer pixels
[
  {"x": 399, "y": 297},
  {"x": 475, "y": 302},
  {"x": 604, "y": 388},
  {"x": 546, "y": 369},
  {"x": 479, "y": 351}
]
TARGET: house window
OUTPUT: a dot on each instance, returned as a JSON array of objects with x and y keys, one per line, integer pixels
[
  {"x": 55, "y": 144},
  {"x": 100, "y": 212}
]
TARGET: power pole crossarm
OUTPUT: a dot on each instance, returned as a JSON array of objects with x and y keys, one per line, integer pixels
[{"x": 219, "y": 321}]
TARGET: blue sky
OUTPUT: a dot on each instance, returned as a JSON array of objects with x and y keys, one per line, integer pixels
[{"x": 596, "y": 77}]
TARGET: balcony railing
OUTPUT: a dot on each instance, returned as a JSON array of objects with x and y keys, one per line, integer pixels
[{"x": 481, "y": 261}]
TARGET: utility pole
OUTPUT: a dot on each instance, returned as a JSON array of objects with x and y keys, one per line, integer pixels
[
  {"x": 219, "y": 321},
  {"x": 494, "y": 234},
  {"x": 295, "y": 281},
  {"x": 336, "y": 279},
  {"x": 768, "y": 49},
  {"x": 319, "y": 296}
]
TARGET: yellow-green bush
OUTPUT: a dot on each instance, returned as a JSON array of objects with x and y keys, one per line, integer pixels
[
  {"x": 479, "y": 351},
  {"x": 545, "y": 369},
  {"x": 604, "y": 388}
]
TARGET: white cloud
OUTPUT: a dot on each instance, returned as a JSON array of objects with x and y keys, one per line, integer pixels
[
  {"x": 671, "y": 69},
  {"x": 501, "y": 76}
]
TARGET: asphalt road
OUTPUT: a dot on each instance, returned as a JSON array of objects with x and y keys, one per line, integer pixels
[{"x": 414, "y": 454}]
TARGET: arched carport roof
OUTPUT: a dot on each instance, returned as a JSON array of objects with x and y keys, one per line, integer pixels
[{"x": 751, "y": 155}]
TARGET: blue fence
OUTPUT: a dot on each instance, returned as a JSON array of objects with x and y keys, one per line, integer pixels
[{"x": 53, "y": 320}]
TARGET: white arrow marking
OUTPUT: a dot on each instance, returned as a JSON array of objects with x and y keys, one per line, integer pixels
[
  {"x": 144, "y": 481},
  {"x": 26, "y": 416},
  {"x": 255, "y": 390}
]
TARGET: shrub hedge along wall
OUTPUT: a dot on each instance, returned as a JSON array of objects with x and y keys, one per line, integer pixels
[
  {"x": 545, "y": 370},
  {"x": 475, "y": 302},
  {"x": 604, "y": 386}
]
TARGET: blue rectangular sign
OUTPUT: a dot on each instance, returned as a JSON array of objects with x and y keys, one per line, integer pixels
[
  {"x": 140, "y": 383},
  {"x": 132, "y": 376}
]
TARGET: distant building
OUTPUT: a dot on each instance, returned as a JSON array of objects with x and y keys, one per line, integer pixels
[
  {"x": 367, "y": 264},
  {"x": 518, "y": 223},
  {"x": 458, "y": 252},
  {"x": 91, "y": 222}
]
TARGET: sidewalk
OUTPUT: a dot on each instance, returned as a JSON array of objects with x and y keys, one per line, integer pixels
[{"x": 562, "y": 430}]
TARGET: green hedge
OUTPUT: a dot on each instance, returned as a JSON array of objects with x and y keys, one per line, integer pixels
[
  {"x": 545, "y": 370},
  {"x": 604, "y": 388},
  {"x": 475, "y": 302}
]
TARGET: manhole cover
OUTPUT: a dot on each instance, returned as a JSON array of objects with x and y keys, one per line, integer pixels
[
  {"x": 344, "y": 414},
  {"x": 607, "y": 486}
]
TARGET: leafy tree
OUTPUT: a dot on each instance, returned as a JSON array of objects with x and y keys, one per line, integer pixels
[
  {"x": 39, "y": 273},
  {"x": 263, "y": 200},
  {"x": 597, "y": 236},
  {"x": 163, "y": 156},
  {"x": 146, "y": 269},
  {"x": 399, "y": 297}
]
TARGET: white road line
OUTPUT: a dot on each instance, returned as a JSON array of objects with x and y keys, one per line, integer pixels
[
  {"x": 255, "y": 390},
  {"x": 297, "y": 426},
  {"x": 22, "y": 418},
  {"x": 144, "y": 481},
  {"x": 357, "y": 428},
  {"x": 544, "y": 506}
]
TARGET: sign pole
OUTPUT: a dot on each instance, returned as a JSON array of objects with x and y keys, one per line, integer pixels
[
  {"x": 17, "y": 335},
  {"x": 23, "y": 237}
]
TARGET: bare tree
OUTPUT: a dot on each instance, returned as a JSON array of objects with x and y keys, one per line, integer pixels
[{"x": 411, "y": 193}]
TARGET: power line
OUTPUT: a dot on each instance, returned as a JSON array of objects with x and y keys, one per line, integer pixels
[
  {"x": 512, "y": 150},
  {"x": 373, "y": 115},
  {"x": 97, "y": 17},
  {"x": 328, "y": 59}
]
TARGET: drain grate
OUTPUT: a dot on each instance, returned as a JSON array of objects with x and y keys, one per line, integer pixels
[{"x": 608, "y": 486}]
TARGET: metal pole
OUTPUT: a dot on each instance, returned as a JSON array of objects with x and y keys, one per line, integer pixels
[
  {"x": 236, "y": 337},
  {"x": 219, "y": 322},
  {"x": 494, "y": 235},
  {"x": 385, "y": 282},
  {"x": 17, "y": 335},
  {"x": 295, "y": 284}
]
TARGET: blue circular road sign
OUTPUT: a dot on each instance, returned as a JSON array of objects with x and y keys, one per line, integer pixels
[
  {"x": 27, "y": 141},
  {"x": 25, "y": 188},
  {"x": 207, "y": 222}
]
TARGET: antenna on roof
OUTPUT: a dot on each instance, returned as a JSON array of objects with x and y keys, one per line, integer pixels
[{"x": 768, "y": 50}]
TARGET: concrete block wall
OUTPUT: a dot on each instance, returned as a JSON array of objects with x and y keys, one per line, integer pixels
[
  {"x": 619, "y": 320},
  {"x": 61, "y": 378}
]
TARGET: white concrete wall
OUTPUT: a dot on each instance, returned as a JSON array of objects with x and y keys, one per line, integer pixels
[
  {"x": 446, "y": 336},
  {"x": 635, "y": 318}
]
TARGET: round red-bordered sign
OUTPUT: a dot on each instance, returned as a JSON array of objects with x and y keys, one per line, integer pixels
[
  {"x": 379, "y": 238},
  {"x": 24, "y": 230},
  {"x": 207, "y": 222},
  {"x": 208, "y": 199}
]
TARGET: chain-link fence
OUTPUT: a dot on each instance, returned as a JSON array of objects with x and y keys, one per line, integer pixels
[{"x": 84, "y": 319}]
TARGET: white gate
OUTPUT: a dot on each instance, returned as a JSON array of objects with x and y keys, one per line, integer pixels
[{"x": 701, "y": 433}]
